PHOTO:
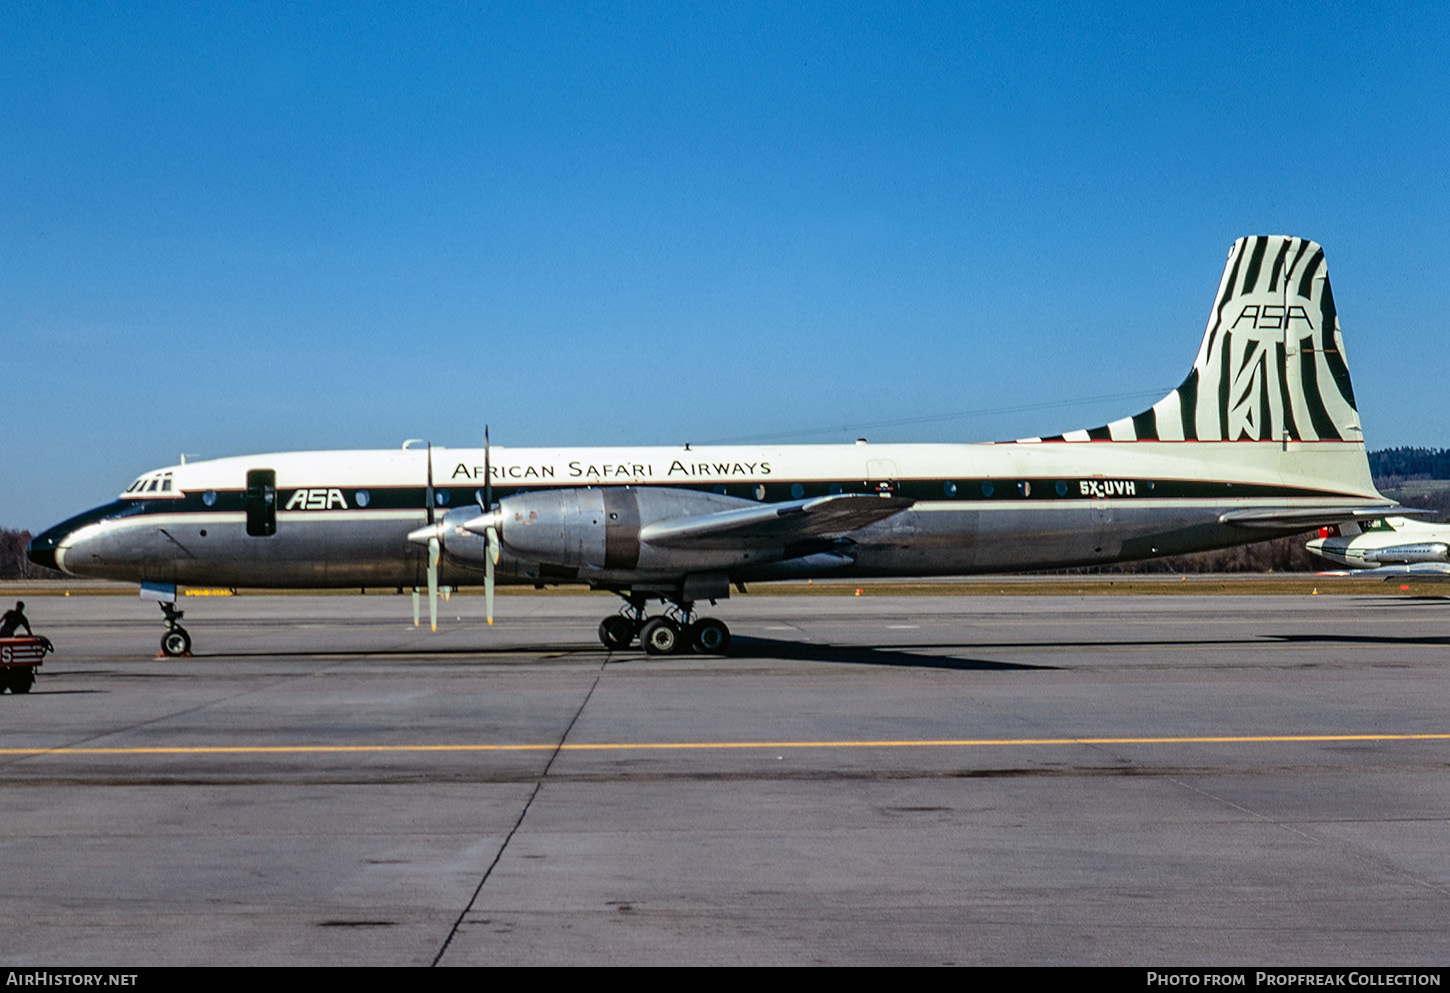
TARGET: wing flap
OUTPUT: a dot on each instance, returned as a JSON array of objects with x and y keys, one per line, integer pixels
[{"x": 775, "y": 524}]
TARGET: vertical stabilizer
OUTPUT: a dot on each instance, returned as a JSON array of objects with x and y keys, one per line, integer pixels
[{"x": 1271, "y": 366}]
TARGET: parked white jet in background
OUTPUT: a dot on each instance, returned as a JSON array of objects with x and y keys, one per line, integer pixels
[
  {"x": 1261, "y": 440},
  {"x": 1391, "y": 546}
]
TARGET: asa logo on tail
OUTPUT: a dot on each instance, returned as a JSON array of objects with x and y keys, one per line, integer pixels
[{"x": 1272, "y": 317}]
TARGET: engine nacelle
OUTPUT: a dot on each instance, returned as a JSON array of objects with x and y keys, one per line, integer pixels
[
  {"x": 598, "y": 529},
  {"x": 566, "y": 527},
  {"x": 1429, "y": 551}
]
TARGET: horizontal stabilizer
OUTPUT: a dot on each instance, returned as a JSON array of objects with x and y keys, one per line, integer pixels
[
  {"x": 1279, "y": 518},
  {"x": 775, "y": 524}
]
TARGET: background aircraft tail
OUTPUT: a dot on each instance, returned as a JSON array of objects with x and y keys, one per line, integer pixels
[{"x": 1271, "y": 366}]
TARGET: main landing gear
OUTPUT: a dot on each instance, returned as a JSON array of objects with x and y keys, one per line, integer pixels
[
  {"x": 678, "y": 630},
  {"x": 175, "y": 643}
]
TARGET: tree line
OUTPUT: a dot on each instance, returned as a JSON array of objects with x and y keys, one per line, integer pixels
[
  {"x": 1392, "y": 465},
  {"x": 14, "y": 564}
]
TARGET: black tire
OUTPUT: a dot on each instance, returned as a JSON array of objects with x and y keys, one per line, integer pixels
[
  {"x": 709, "y": 636},
  {"x": 176, "y": 643},
  {"x": 616, "y": 632},
  {"x": 21, "y": 680},
  {"x": 660, "y": 636}
]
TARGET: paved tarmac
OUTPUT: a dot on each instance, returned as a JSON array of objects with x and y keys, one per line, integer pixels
[{"x": 1126, "y": 780}]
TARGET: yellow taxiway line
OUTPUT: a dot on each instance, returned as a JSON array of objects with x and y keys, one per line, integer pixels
[{"x": 666, "y": 746}]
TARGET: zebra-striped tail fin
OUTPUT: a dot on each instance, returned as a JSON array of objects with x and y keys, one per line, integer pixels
[{"x": 1271, "y": 367}]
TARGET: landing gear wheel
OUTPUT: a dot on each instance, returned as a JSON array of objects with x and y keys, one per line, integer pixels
[
  {"x": 660, "y": 636},
  {"x": 617, "y": 632},
  {"x": 20, "y": 680},
  {"x": 709, "y": 636},
  {"x": 176, "y": 643}
]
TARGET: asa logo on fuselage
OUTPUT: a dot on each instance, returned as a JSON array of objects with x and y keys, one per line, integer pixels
[{"x": 317, "y": 499}]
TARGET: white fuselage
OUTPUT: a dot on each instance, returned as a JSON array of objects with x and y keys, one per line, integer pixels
[
  {"x": 342, "y": 517},
  {"x": 1261, "y": 439}
]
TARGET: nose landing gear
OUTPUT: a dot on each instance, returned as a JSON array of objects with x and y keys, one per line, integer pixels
[
  {"x": 676, "y": 631},
  {"x": 175, "y": 643}
]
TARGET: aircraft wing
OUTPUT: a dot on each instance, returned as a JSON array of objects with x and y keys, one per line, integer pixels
[
  {"x": 775, "y": 524},
  {"x": 1311, "y": 517}
]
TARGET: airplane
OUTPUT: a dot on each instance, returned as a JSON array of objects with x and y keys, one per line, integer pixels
[
  {"x": 1261, "y": 440},
  {"x": 1391, "y": 546}
]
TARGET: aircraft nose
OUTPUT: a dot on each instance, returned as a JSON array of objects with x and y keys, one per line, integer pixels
[
  {"x": 41, "y": 549},
  {"x": 50, "y": 547}
]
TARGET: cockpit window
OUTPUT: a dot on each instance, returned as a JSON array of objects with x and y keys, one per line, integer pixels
[{"x": 158, "y": 483}]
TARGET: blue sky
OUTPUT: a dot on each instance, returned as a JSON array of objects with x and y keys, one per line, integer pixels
[{"x": 246, "y": 227}]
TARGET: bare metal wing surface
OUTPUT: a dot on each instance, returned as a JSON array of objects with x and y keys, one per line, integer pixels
[
  {"x": 775, "y": 524},
  {"x": 1301, "y": 518},
  {"x": 1261, "y": 439}
]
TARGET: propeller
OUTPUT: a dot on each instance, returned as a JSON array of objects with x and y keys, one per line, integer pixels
[
  {"x": 490, "y": 533},
  {"x": 435, "y": 547},
  {"x": 431, "y": 535}
]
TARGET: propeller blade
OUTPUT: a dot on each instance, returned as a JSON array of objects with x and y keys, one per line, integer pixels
[
  {"x": 488, "y": 589},
  {"x": 430, "y": 535},
  {"x": 428, "y": 492},
  {"x": 487, "y": 474},
  {"x": 434, "y": 548},
  {"x": 490, "y": 536}
]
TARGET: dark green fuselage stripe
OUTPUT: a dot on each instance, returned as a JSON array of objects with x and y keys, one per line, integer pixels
[{"x": 963, "y": 490}]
